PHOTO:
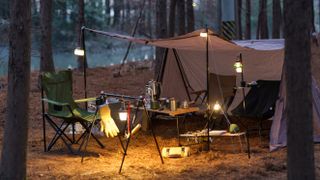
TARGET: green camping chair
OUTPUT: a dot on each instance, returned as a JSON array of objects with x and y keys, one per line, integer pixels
[{"x": 57, "y": 88}]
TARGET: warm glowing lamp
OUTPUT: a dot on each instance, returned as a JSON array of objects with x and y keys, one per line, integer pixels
[
  {"x": 203, "y": 34},
  {"x": 79, "y": 52},
  {"x": 216, "y": 107},
  {"x": 194, "y": 4},
  {"x": 238, "y": 66},
  {"x": 123, "y": 113}
]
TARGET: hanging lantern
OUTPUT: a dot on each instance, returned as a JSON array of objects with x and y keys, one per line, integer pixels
[
  {"x": 79, "y": 51},
  {"x": 238, "y": 66},
  {"x": 123, "y": 113}
]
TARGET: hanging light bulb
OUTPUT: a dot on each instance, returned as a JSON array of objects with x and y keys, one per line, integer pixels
[
  {"x": 79, "y": 51},
  {"x": 123, "y": 113},
  {"x": 216, "y": 107},
  {"x": 203, "y": 34}
]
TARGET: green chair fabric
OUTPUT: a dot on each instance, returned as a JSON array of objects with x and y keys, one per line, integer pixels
[{"x": 58, "y": 89}]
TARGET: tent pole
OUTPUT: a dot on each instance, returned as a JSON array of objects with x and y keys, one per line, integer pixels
[
  {"x": 207, "y": 66},
  {"x": 181, "y": 73},
  {"x": 83, "y": 46},
  {"x": 243, "y": 85},
  {"x": 163, "y": 64}
]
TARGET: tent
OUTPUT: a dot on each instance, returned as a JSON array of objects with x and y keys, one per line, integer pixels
[{"x": 184, "y": 70}]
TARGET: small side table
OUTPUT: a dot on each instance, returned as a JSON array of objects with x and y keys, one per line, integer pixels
[{"x": 226, "y": 134}]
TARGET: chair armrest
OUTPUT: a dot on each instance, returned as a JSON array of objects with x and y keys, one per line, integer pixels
[
  {"x": 58, "y": 104},
  {"x": 85, "y": 100},
  {"x": 55, "y": 102}
]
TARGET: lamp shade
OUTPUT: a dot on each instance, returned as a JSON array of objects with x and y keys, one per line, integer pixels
[{"x": 78, "y": 52}]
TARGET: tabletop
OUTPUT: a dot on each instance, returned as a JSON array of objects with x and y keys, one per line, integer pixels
[{"x": 177, "y": 112}]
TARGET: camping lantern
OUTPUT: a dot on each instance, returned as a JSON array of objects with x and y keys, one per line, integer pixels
[
  {"x": 79, "y": 51},
  {"x": 203, "y": 34},
  {"x": 123, "y": 113},
  {"x": 216, "y": 107},
  {"x": 238, "y": 66}
]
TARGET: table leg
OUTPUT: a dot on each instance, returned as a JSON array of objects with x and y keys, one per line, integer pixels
[
  {"x": 178, "y": 131},
  {"x": 240, "y": 143},
  {"x": 248, "y": 144},
  {"x": 208, "y": 135}
]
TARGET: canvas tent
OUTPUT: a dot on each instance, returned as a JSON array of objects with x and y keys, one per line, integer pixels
[{"x": 184, "y": 70}]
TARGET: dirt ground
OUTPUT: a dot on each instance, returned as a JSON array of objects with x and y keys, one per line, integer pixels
[{"x": 224, "y": 161}]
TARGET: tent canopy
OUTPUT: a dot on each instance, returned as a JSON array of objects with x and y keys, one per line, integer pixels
[
  {"x": 184, "y": 67},
  {"x": 184, "y": 70}
]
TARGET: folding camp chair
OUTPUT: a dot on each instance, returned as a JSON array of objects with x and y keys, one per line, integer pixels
[{"x": 57, "y": 88}]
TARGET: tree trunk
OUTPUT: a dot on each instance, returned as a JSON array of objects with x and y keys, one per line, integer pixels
[
  {"x": 248, "y": 19},
  {"x": 64, "y": 10},
  {"x": 262, "y": 28},
  {"x": 122, "y": 12},
  {"x": 81, "y": 22},
  {"x": 107, "y": 10},
  {"x": 46, "y": 60},
  {"x": 298, "y": 89},
  {"x": 219, "y": 15},
  {"x": 276, "y": 19},
  {"x": 15, "y": 139},
  {"x": 34, "y": 7},
  {"x": 5, "y": 9},
  {"x": 116, "y": 9},
  {"x": 128, "y": 16},
  {"x": 313, "y": 28},
  {"x": 239, "y": 18},
  {"x": 172, "y": 19},
  {"x": 149, "y": 21},
  {"x": 161, "y": 31},
  {"x": 181, "y": 17},
  {"x": 190, "y": 16}
]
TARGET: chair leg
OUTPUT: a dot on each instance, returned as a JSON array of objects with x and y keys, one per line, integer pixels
[
  {"x": 73, "y": 133},
  {"x": 56, "y": 136},
  {"x": 44, "y": 132},
  {"x": 81, "y": 137},
  {"x": 61, "y": 135},
  {"x": 55, "y": 126}
]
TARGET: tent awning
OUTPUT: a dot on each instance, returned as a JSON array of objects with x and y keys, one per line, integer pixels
[{"x": 193, "y": 41}]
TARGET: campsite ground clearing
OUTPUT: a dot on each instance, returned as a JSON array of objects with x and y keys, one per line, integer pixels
[{"x": 143, "y": 161}]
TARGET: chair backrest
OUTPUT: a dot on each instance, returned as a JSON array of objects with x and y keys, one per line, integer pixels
[
  {"x": 221, "y": 89},
  {"x": 58, "y": 87}
]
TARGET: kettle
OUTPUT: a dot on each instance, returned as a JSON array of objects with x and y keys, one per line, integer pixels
[{"x": 155, "y": 88}]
